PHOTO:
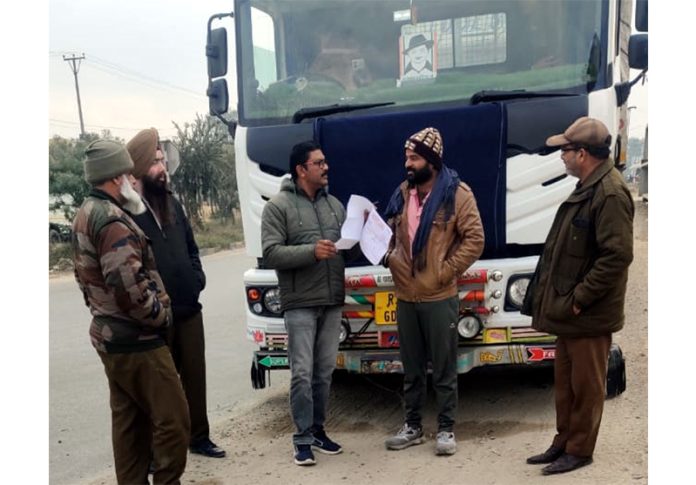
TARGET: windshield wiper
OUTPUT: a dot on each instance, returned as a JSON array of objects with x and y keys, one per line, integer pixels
[
  {"x": 315, "y": 111},
  {"x": 492, "y": 95}
]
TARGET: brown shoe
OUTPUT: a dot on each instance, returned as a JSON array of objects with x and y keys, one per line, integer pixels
[
  {"x": 566, "y": 463},
  {"x": 548, "y": 456}
]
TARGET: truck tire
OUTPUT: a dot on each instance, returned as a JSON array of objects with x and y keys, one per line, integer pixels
[{"x": 616, "y": 372}]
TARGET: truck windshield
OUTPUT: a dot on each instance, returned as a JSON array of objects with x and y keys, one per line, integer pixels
[{"x": 303, "y": 54}]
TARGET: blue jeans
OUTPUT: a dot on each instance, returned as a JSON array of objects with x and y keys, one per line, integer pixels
[{"x": 312, "y": 348}]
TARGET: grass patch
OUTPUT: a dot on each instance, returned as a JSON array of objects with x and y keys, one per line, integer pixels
[
  {"x": 60, "y": 257},
  {"x": 218, "y": 234}
]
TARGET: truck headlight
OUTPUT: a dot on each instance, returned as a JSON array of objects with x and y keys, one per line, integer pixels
[
  {"x": 517, "y": 288},
  {"x": 271, "y": 300},
  {"x": 469, "y": 326},
  {"x": 343, "y": 332}
]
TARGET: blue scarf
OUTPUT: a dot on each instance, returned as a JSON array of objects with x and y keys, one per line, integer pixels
[{"x": 443, "y": 193}]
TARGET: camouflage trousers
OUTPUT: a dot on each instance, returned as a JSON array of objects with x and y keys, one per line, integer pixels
[{"x": 149, "y": 416}]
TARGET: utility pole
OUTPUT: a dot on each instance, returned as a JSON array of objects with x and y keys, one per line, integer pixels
[{"x": 75, "y": 67}]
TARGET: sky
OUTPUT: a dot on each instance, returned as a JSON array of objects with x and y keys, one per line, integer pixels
[
  {"x": 144, "y": 64},
  {"x": 140, "y": 39}
]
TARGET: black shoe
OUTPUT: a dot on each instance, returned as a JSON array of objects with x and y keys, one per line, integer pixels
[
  {"x": 207, "y": 448},
  {"x": 548, "y": 456},
  {"x": 304, "y": 455},
  {"x": 324, "y": 444},
  {"x": 566, "y": 463}
]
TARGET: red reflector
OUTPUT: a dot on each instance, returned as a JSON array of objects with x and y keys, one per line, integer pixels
[{"x": 253, "y": 294}]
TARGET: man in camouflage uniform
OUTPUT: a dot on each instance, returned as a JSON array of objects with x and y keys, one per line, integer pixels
[{"x": 116, "y": 272}]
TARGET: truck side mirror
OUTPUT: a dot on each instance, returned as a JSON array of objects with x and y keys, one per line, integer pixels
[
  {"x": 216, "y": 52},
  {"x": 642, "y": 15},
  {"x": 638, "y": 51},
  {"x": 218, "y": 99}
]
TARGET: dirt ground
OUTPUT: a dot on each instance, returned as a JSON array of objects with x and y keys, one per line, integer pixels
[{"x": 503, "y": 417}]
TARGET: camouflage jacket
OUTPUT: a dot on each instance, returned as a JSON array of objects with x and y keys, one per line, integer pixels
[{"x": 115, "y": 269}]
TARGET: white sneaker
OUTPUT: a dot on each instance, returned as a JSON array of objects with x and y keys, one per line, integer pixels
[
  {"x": 446, "y": 444},
  {"x": 406, "y": 437}
]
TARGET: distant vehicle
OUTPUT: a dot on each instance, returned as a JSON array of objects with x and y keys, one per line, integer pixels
[{"x": 58, "y": 233}]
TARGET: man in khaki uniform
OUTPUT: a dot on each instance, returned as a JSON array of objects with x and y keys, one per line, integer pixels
[{"x": 579, "y": 289}]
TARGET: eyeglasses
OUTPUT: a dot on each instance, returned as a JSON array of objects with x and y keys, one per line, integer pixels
[{"x": 317, "y": 163}]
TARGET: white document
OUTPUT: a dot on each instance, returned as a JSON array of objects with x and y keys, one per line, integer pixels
[
  {"x": 373, "y": 234},
  {"x": 375, "y": 238}
]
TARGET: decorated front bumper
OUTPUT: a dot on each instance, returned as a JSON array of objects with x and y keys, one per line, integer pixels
[{"x": 385, "y": 361}]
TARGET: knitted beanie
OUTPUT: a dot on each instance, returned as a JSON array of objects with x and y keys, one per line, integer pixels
[
  {"x": 142, "y": 149},
  {"x": 428, "y": 144},
  {"x": 105, "y": 160}
]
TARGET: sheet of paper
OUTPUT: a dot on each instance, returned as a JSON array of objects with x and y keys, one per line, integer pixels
[
  {"x": 357, "y": 206},
  {"x": 373, "y": 234},
  {"x": 376, "y": 235},
  {"x": 345, "y": 243}
]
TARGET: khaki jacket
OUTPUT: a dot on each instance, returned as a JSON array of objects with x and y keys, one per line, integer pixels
[
  {"x": 585, "y": 260},
  {"x": 453, "y": 246}
]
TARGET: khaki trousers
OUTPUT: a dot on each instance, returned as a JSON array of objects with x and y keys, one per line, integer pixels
[
  {"x": 186, "y": 342},
  {"x": 580, "y": 374},
  {"x": 148, "y": 414}
]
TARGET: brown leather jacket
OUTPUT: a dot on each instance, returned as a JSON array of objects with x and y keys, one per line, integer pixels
[{"x": 453, "y": 246}]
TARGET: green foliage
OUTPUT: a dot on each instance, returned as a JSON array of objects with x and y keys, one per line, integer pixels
[
  {"x": 219, "y": 233},
  {"x": 66, "y": 180},
  {"x": 206, "y": 172}
]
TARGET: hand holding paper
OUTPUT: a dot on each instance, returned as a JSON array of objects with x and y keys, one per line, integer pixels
[{"x": 373, "y": 233}]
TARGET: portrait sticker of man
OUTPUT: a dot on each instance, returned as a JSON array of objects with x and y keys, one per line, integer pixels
[{"x": 418, "y": 57}]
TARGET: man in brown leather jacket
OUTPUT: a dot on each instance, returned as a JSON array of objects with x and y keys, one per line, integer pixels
[
  {"x": 437, "y": 236},
  {"x": 579, "y": 289}
]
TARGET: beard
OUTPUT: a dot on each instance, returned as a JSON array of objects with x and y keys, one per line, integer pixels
[
  {"x": 420, "y": 176},
  {"x": 132, "y": 201},
  {"x": 156, "y": 191}
]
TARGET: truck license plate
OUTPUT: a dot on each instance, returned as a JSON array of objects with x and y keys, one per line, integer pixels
[{"x": 385, "y": 308}]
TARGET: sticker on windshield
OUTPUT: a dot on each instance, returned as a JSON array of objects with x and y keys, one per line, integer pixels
[{"x": 417, "y": 58}]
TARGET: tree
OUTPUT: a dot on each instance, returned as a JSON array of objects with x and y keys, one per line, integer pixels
[
  {"x": 66, "y": 179},
  {"x": 206, "y": 169}
]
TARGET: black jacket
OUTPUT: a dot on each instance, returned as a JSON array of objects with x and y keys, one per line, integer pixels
[{"x": 177, "y": 259}]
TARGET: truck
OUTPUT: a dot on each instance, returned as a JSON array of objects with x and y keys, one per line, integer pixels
[{"x": 502, "y": 76}]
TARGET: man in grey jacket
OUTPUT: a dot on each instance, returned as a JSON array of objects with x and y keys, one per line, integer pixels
[{"x": 298, "y": 230}]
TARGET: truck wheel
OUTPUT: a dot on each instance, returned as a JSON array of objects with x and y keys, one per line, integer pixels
[{"x": 616, "y": 372}]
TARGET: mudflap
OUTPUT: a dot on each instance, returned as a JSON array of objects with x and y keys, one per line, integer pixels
[
  {"x": 616, "y": 372},
  {"x": 258, "y": 376}
]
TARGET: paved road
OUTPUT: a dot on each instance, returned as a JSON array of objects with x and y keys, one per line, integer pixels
[{"x": 80, "y": 426}]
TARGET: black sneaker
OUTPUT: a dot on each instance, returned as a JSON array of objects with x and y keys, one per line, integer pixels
[
  {"x": 324, "y": 444},
  {"x": 304, "y": 455},
  {"x": 207, "y": 448}
]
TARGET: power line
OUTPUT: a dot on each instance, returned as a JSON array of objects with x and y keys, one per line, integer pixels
[
  {"x": 130, "y": 72},
  {"x": 124, "y": 72},
  {"x": 144, "y": 82}
]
